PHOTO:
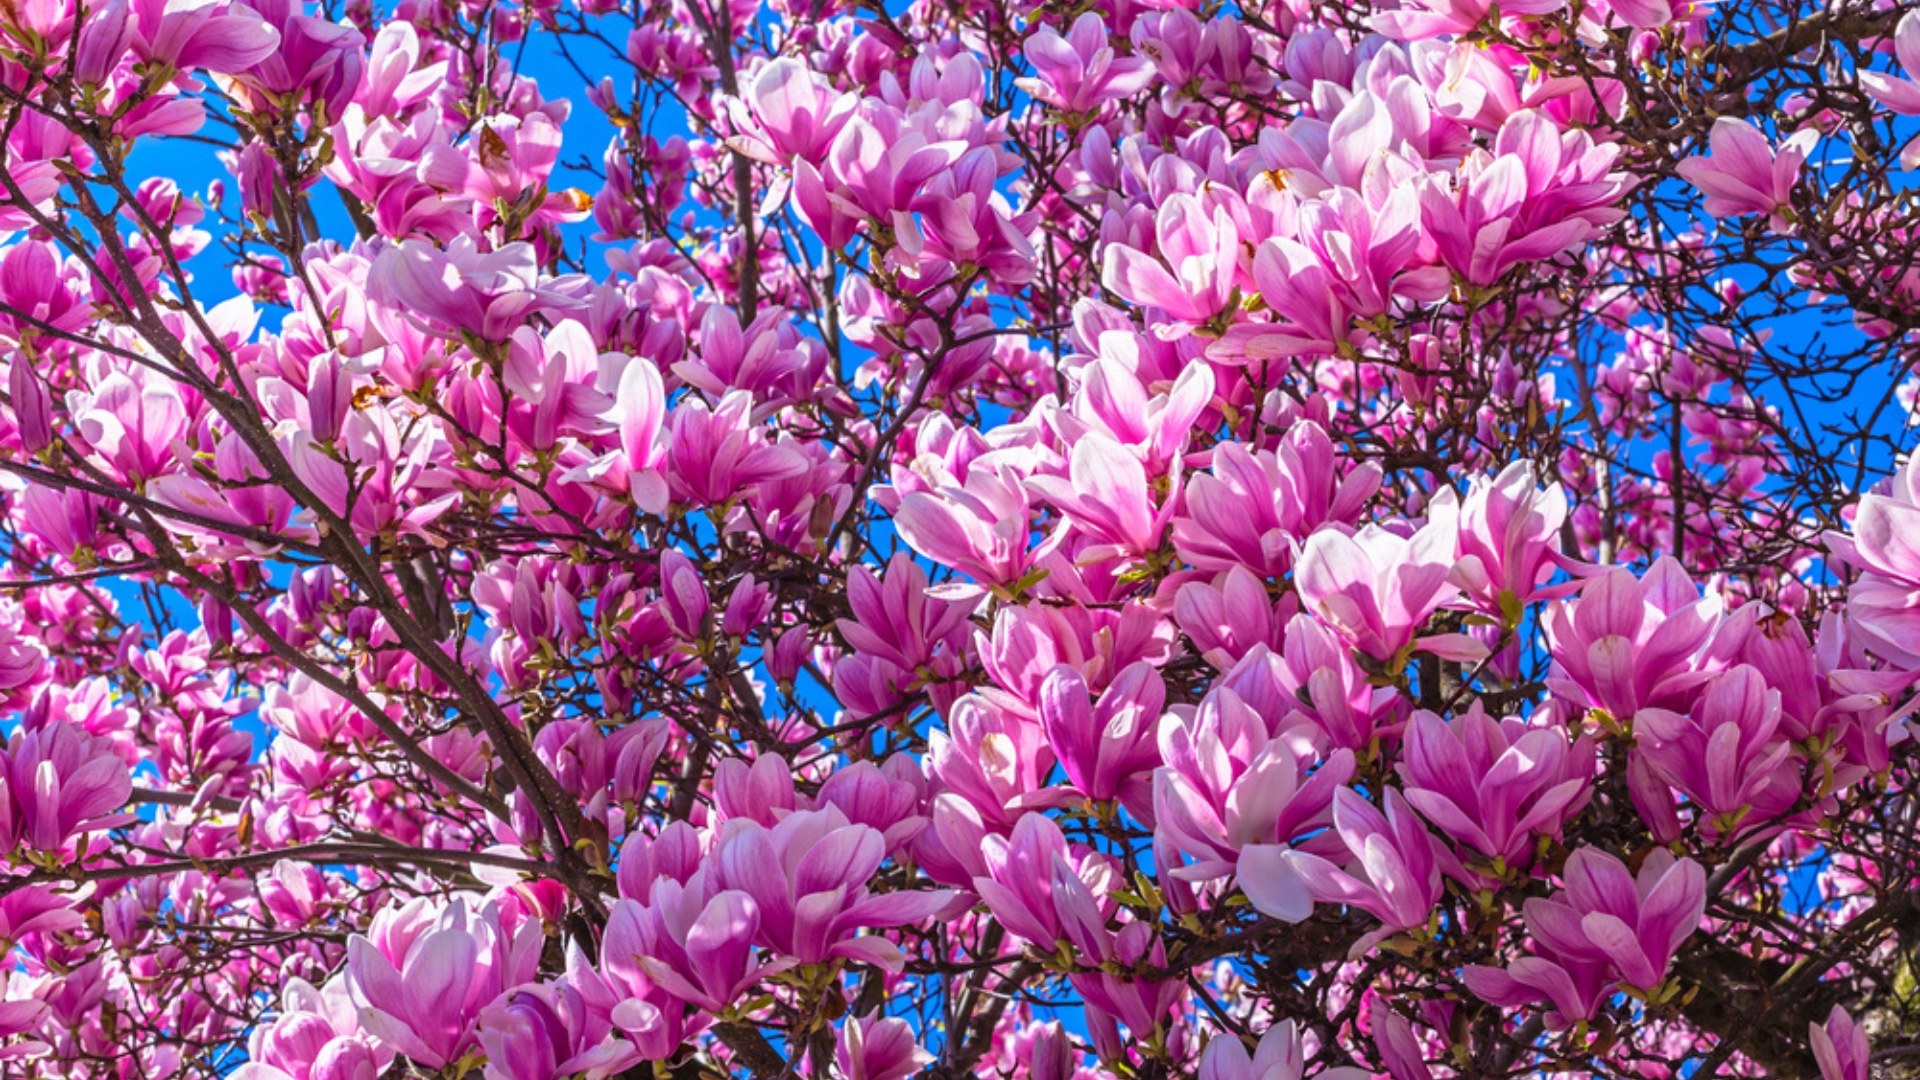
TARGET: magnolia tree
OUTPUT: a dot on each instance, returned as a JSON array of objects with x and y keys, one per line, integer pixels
[{"x": 1124, "y": 539}]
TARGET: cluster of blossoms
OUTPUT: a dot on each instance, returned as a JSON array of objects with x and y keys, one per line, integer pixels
[{"x": 1288, "y": 542}]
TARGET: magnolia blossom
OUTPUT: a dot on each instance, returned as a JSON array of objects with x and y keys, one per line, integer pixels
[
  {"x": 1495, "y": 786},
  {"x": 1079, "y": 72},
  {"x": 483, "y": 294},
  {"x": 1901, "y": 95},
  {"x": 420, "y": 982},
  {"x": 1393, "y": 875},
  {"x": 1743, "y": 175},
  {"x": 1841, "y": 1047},
  {"x": 1277, "y": 1056},
  {"x": 1880, "y": 604},
  {"x": 1377, "y": 587},
  {"x": 60, "y": 782},
  {"x": 1608, "y": 925}
]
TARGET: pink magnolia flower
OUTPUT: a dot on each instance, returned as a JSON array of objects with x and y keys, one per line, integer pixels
[
  {"x": 878, "y": 1048},
  {"x": 1193, "y": 278},
  {"x": 64, "y": 523},
  {"x": 1901, "y": 95},
  {"x": 1825, "y": 699},
  {"x": 316, "y": 62},
  {"x": 1495, "y": 785},
  {"x": 759, "y": 359},
  {"x": 297, "y": 893},
  {"x": 684, "y": 594},
  {"x": 1647, "y": 14},
  {"x": 1228, "y": 789},
  {"x": 903, "y": 638},
  {"x": 884, "y": 798},
  {"x": 422, "y": 978},
  {"x": 551, "y": 380},
  {"x": 1176, "y": 41},
  {"x": 716, "y": 453},
  {"x": 39, "y": 182},
  {"x": 1539, "y": 193},
  {"x": 1029, "y": 640},
  {"x": 1394, "y": 874},
  {"x": 1279, "y": 1055},
  {"x": 460, "y": 290},
  {"x": 38, "y": 909},
  {"x": 789, "y": 112},
  {"x": 683, "y": 945},
  {"x": 640, "y": 412},
  {"x": 1509, "y": 543},
  {"x": 1427, "y": 19},
  {"x": 24, "y": 1008},
  {"x": 1605, "y": 924},
  {"x": 1377, "y": 588},
  {"x": 1227, "y": 617},
  {"x": 825, "y": 208},
  {"x": 1144, "y": 1005},
  {"x": 1113, "y": 399},
  {"x": 240, "y": 497},
  {"x": 979, "y": 526},
  {"x": 897, "y": 621},
  {"x": 1253, "y": 507},
  {"x": 966, "y": 221},
  {"x": 318, "y": 1037},
  {"x": 1575, "y": 988},
  {"x": 1840, "y": 1047},
  {"x": 1106, "y": 492},
  {"x": 807, "y": 876},
  {"x": 761, "y": 792},
  {"x": 394, "y": 78},
  {"x": 1725, "y": 754},
  {"x": 1042, "y": 890},
  {"x": 1049, "y": 1052},
  {"x": 510, "y": 155},
  {"x": 35, "y": 281},
  {"x": 189, "y": 34},
  {"x": 1628, "y": 643},
  {"x": 23, "y": 661},
  {"x": 1744, "y": 176},
  {"x": 1079, "y": 73},
  {"x": 874, "y": 169},
  {"x": 59, "y": 782},
  {"x": 104, "y": 39},
  {"x": 1633, "y": 924},
  {"x": 1350, "y": 265},
  {"x": 1885, "y": 545},
  {"x": 745, "y": 608},
  {"x": 992, "y": 757},
  {"x": 390, "y": 487},
  {"x": 950, "y": 848},
  {"x": 1316, "y": 675},
  {"x": 1108, "y": 748},
  {"x": 1400, "y": 1049},
  {"x": 128, "y": 421},
  {"x": 675, "y": 853},
  {"x": 405, "y": 171},
  {"x": 549, "y": 1031}
]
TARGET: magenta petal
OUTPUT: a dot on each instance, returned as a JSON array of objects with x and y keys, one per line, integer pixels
[
  {"x": 1622, "y": 946},
  {"x": 1272, "y": 884},
  {"x": 1496, "y": 987},
  {"x": 721, "y": 941}
]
